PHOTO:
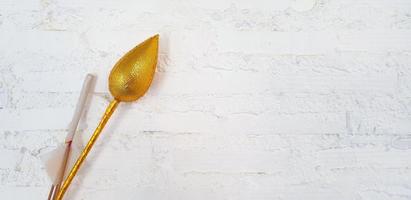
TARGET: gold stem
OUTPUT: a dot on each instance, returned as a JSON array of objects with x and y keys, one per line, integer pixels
[{"x": 109, "y": 111}]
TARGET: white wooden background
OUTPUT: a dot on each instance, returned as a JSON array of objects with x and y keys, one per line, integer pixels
[{"x": 252, "y": 99}]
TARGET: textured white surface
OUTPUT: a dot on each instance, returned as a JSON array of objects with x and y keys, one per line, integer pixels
[{"x": 252, "y": 100}]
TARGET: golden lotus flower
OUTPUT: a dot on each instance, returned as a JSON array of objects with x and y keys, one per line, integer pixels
[
  {"x": 132, "y": 75},
  {"x": 129, "y": 79}
]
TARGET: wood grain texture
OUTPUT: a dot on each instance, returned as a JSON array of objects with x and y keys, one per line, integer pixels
[{"x": 285, "y": 99}]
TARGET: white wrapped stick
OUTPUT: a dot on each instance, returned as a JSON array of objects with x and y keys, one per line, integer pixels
[{"x": 57, "y": 164}]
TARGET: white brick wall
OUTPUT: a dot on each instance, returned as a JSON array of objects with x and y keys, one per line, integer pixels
[{"x": 285, "y": 99}]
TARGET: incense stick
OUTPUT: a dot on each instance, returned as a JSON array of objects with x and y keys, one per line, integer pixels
[{"x": 69, "y": 138}]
